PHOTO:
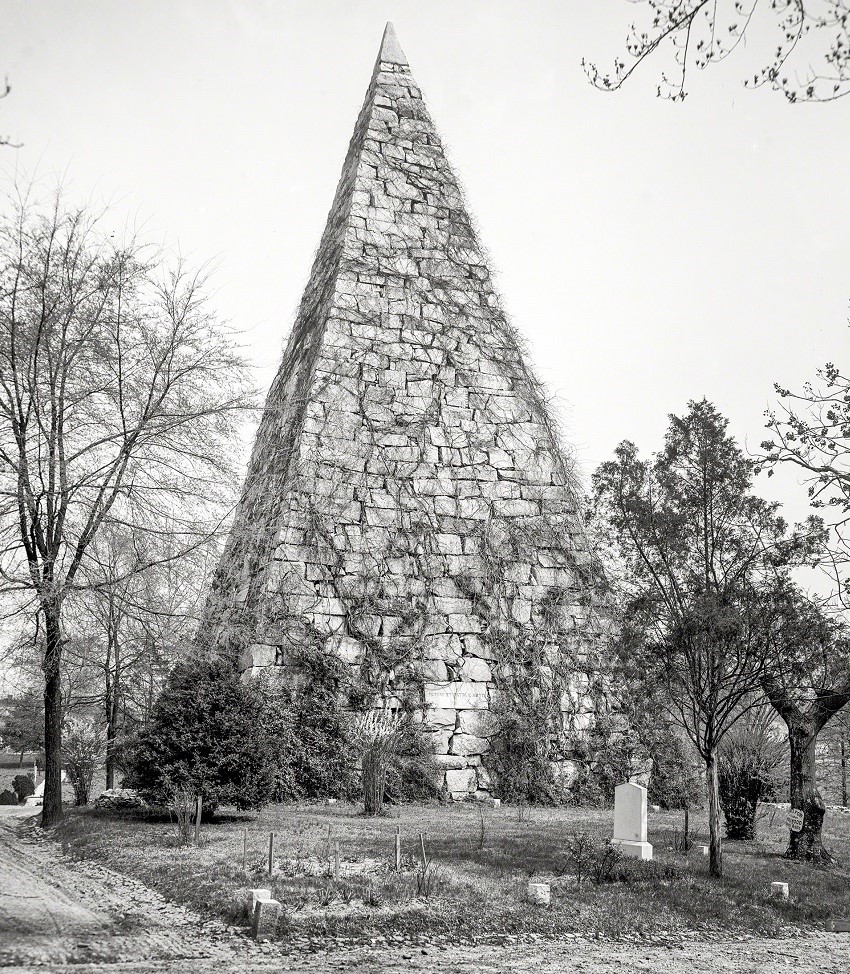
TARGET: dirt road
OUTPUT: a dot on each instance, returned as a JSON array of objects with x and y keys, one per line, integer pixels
[{"x": 58, "y": 914}]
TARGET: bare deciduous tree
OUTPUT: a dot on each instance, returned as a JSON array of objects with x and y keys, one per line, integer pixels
[
  {"x": 140, "y": 607},
  {"x": 810, "y": 432},
  {"x": 5, "y": 89},
  {"x": 120, "y": 395},
  {"x": 798, "y": 34}
]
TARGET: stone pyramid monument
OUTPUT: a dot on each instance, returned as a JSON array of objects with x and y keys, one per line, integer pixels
[{"x": 408, "y": 506}]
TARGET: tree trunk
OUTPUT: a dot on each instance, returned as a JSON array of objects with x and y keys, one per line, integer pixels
[
  {"x": 51, "y": 811},
  {"x": 807, "y": 843},
  {"x": 715, "y": 849},
  {"x": 374, "y": 781},
  {"x": 843, "y": 773},
  {"x": 112, "y": 710}
]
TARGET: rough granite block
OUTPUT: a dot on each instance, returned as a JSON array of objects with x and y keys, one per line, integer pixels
[{"x": 404, "y": 497}]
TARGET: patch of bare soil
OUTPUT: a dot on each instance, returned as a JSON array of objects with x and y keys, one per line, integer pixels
[{"x": 58, "y": 911}]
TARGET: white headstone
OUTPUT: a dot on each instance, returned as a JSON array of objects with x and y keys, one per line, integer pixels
[{"x": 630, "y": 821}]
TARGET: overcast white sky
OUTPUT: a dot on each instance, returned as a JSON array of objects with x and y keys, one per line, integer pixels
[{"x": 650, "y": 252}]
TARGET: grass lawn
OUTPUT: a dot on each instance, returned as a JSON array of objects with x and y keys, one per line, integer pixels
[{"x": 479, "y": 874}]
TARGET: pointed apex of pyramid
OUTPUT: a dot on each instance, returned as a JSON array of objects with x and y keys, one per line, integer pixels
[{"x": 391, "y": 51}]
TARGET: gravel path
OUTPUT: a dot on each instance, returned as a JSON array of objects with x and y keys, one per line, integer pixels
[{"x": 60, "y": 914}]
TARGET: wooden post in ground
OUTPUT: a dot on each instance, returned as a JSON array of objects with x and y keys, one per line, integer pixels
[
  {"x": 422, "y": 843},
  {"x": 271, "y": 853},
  {"x": 198, "y": 820},
  {"x": 245, "y": 850},
  {"x": 398, "y": 848},
  {"x": 336, "y": 858}
]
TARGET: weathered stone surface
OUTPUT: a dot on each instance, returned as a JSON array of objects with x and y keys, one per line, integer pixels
[
  {"x": 469, "y": 744},
  {"x": 461, "y": 782},
  {"x": 475, "y": 669},
  {"x": 450, "y": 761},
  {"x": 539, "y": 894},
  {"x": 406, "y": 493},
  {"x": 440, "y": 717},
  {"x": 265, "y": 919},
  {"x": 473, "y": 722},
  {"x": 119, "y": 800}
]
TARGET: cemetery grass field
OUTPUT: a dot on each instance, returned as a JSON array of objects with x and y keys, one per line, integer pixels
[{"x": 476, "y": 884}]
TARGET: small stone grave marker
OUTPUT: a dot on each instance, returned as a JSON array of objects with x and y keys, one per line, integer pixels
[
  {"x": 258, "y": 894},
  {"x": 779, "y": 891},
  {"x": 496, "y": 802},
  {"x": 630, "y": 821},
  {"x": 266, "y": 915},
  {"x": 795, "y": 819},
  {"x": 838, "y": 926},
  {"x": 539, "y": 894}
]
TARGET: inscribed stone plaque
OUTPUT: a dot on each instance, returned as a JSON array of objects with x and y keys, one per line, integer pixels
[{"x": 794, "y": 820}]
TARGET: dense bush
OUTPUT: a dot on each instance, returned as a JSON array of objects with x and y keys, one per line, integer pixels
[
  {"x": 306, "y": 716},
  {"x": 605, "y": 757},
  {"x": 609, "y": 753},
  {"x": 747, "y": 760},
  {"x": 209, "y": 732},
  {"x": 8, "y": 797},
  {"x": 248, "y": 742},
  {"x": 412, "y": 775},
  {"x": 521, "y": 755},
  {"x": 24, "y": 786}
]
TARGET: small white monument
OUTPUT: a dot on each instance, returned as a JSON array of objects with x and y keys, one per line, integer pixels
[
  {"x": 540, "y": 894},
  {"x": 779, "y": 891},
  {"x": 630, "y": 821}
]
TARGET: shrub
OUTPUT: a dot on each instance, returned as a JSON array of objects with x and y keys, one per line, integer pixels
[
  {"x": 609, "y": 753},
  {"x": 183, "y": 807},
  {"x": 23, "y": 786},
  {"x": 428, "y": 880},
  {"x": 589, "y": 857},
  {"x": 521, "y": 753},
  {"x": 208, "y": 735},
  {"x": 605, "y": 758},
  {"x": 605, "y": 862},
  {"x": 411, "y": 775},
  {"x": 580, "y": 851},
  {"x": 747, "y": 758},
  {"x": 379, "y": 736},
  {"x": 8, "y": 797},
  {"x": 307, "y": 717},
  {"x": 83, "y": 751}
]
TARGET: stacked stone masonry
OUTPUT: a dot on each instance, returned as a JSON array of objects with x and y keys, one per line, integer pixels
[{"x": 407, "y": 503}]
